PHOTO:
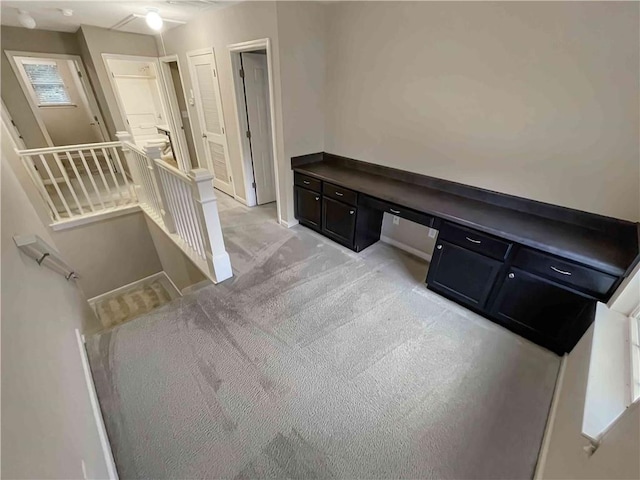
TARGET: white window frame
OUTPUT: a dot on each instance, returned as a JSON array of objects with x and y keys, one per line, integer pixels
[{"x": 29, "y": 83}]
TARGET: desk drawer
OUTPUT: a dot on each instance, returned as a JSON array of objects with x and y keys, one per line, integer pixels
[
  {"x": 474, "y": 240},
  {"x": 565, "y": 271},
  {"x": 340, "y": 193},
  {"x": 307, "y": 182},
  {"x": 393, "y": 209}
]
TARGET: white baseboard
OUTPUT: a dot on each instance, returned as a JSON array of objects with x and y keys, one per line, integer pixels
[
  {"x": 546, "y": 438},
  {"x": 293, "y": 223},
  {"x": 403, "y": 246},
  {"x": 95, "y": 407},
  {"x": 160, "y": 276}
]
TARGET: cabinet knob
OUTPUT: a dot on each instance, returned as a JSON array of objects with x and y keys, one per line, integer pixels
[
  {"x": 512, "y": 275},
  {"x": 317, "y": 198},
  {"x": 351, "y": 212},
  {"x": 439, "y": 247}
]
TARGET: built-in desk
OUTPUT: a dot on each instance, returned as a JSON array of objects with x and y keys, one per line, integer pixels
[{"x": 535, "y": 268}]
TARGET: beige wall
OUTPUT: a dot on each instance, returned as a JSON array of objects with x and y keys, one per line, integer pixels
[
  {"x": 110, "y": 253},
  {"x": 218, "y": 29},
  {"x": 48, "y": 427},
  {"x": 175, "y": 264},
  {"x": 94, "y": 41},
  {"x": 41, "y": 41},
  {"x": 107, "y": 254},
  {"x": 296, "y": 31},
  {"x": 411, "y": 234},
  {"x": 617, "y": 456},
  {"x": 303, "y": 63},
  {"x": 69, "y": 124},
  {"x": 536, "y": 99}
]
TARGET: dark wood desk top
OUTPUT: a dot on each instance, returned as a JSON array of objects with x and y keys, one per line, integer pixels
[{"x": 614, "y": 254}]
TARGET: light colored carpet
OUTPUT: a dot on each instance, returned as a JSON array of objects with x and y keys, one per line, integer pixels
[
  {"x": 131, "y": 304},
  {"x": 316, "y": 362}
]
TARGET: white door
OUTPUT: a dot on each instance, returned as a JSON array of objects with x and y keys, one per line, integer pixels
[
  {"x": 256, "y": 85},
  {"x": 206, "y": 91}
]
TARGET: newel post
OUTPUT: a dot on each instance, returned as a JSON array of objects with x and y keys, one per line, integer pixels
[
  {"x": 207, "y": 209},
  {"x": 153, "y": 150}
]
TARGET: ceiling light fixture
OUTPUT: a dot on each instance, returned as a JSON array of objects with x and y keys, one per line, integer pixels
[
  {"x": 26, "y": 20},
  {"x": 154, "y": 20},
  {"x": 67, "y": 12}
]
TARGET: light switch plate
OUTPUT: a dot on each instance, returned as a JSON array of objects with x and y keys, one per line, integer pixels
[
  {"x": 432, "y": 233},
  {"x": 396, "y": 220}
]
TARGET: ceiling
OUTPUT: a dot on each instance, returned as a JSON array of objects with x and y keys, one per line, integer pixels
[{"x": 105, "y": 14}]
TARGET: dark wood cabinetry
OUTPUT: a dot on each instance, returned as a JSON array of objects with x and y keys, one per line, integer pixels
[
  {"x": 541, "y": 310},
  {"x": 339, "y": 221},
  {"x": 308, "y": 207},
  {"x": 462, "y": 274},
  {"x": 535, "y": 268}
]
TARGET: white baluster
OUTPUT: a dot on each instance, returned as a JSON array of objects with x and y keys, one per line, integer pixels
[
  {"x": 154, "y": 152},
  {"x": 207, "y": 211}
]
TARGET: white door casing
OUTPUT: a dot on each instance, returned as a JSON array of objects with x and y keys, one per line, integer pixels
[
  {"x": 206, "y": 90},
  {"x": 257, "y": 101}
]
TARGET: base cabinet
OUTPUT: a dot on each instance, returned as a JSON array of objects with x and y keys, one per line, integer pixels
[
  {"x": 308, "y": 207},
  {"x": 339, "y": 221},
  {"x": 460, "y": 273},
  {"x": 540, "y": 309}
]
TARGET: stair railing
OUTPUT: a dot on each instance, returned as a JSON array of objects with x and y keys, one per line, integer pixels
[{"x": 183, "y": 205}]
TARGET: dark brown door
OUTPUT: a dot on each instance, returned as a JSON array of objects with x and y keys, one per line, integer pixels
[
  {"x": 462, "y": 274},
  {"x": 338, "y": 221},
  {"x": 308, "y": 207}
]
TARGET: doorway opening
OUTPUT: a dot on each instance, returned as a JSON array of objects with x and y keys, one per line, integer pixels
[
  {"x": 253, "y": 84},
  {"x": 60, "y": 97},
  {"x": 183, "y": 138},
  {"x": 142, "y": 104}
]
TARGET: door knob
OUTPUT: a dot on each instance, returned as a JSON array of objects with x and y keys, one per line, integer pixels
[
  {"x": 439, "y": 247},
  {"x": 511, "y": 275}
]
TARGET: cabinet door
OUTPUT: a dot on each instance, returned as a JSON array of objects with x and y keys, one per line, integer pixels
[
  {"x": 543, "y": 308},
  {"x": 462, "y": 274},
  {"x": 308, "y": 207},
  {"x": 338, "y": 221}
]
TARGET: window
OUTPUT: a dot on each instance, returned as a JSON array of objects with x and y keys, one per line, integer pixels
[
  {"x": 47, "y": 84},
  {"x": 635, "y": 354}
]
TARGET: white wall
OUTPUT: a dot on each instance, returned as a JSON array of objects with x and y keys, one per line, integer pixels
[
  {"x": 535, "y": 99},
  {"x": 47, "y": 424},
  {"x": 617, "y": 456}
]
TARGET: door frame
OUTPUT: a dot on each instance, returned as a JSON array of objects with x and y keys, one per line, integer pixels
[
  {"x": 239, "y": 104},
  {"x": 195, "y": 88},
  {"x": 93, "y": 106},
  {"x": 175, "y": 115},
  {"x": 114, "y": 87}
]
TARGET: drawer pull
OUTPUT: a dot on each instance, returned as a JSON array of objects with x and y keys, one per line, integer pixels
[
  {"x": 340, "y": 194},
  {"x": 351, "y": 212},
  {"x": 394, "y": 211},
  {"x": 317, "y": 198},
  {"x": 306, "y": 182},
  {"x": 561, "y": 272},
  {"x": 473, "y": 241},
  {"x": 439, "y": 247},
  {"x": 512, "y": 275}
]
